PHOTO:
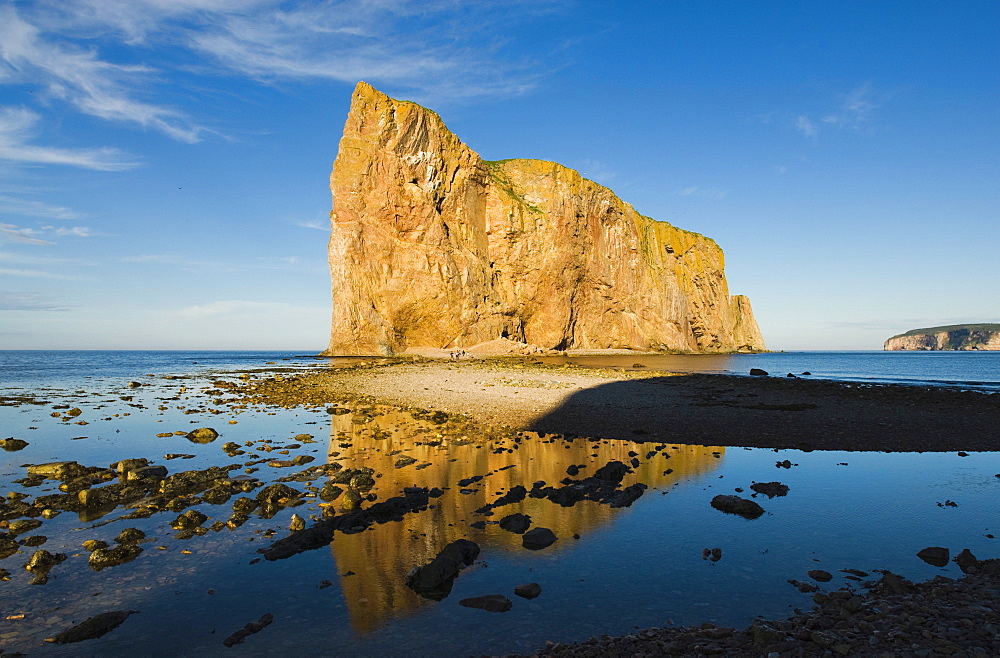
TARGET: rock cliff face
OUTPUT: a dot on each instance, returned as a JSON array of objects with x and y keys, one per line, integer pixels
[
  {"x": 433, "y": 247},
  {"x": 953, "y": 337}
]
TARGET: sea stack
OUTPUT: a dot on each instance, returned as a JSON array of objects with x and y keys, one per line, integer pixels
[
  {"x": 432, "y": 246},
  {"x": 959, "y": 337}
]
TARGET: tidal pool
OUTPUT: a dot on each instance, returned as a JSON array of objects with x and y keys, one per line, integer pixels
[{"x": 612, "y": 569}]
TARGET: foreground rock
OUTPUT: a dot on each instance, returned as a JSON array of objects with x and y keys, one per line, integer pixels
[
  {"x": 489, "y": 602},
  {"x": 93, "y": 627},
  {"x": 538, "y": 538},
  {"x": 466, "y": 252},
  {"x": 249, "y": 629},
  {"x": 434, "y": 579},
  {"x": 735, "y": 505},
  {"x": 893, "y": 618}
]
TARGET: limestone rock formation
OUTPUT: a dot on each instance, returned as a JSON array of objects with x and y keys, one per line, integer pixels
[
  {"x": 432, "y": 246},
  {"x": 963, "y": 337}
]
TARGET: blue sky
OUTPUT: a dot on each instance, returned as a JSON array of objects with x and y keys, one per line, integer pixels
[{"x": 164, "y": 164}]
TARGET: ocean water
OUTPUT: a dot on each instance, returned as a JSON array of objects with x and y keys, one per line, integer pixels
[
  {"x": 611, "y": 570},
  {"x": 968, "y": 370}
]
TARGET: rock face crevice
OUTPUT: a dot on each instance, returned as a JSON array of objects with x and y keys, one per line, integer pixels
[{"x": 432, "y": 246}]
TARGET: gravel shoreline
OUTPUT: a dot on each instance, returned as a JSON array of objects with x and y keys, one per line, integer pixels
[{"x": 894, "y": 617}]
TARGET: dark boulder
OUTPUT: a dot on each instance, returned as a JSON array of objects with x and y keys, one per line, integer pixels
[
  {"x": 744, "y": 507},
  {"x": 537, "y": 539},
  {"x": 434, "y": 579},
  {"x": 613, "y": 471},
  {"x": 490, "y": 603},
  {"x": 516, "y": 523},
  {"x": 529, "y": 591},
  {"x": 935, "y": 556},
  {"x": 93, "y": 627},
  {"x": 770, "y": 489},
  {"x": 966, "y": 561}
]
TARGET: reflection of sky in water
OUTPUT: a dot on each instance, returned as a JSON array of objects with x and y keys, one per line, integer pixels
[{"x": 631, "y": 567}]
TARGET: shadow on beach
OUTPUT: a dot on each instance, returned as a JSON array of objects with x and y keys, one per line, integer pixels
[{"x": 771, "y": 412}]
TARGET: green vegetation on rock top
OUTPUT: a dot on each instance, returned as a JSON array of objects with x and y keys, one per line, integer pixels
[{"x": 987, "y": 326}]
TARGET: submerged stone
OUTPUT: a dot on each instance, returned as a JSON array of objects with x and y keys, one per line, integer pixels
[
  {"x": 489, "y": 602},
  {"x": 93, "y": 627}
]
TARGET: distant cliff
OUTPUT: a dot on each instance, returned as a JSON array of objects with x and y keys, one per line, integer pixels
[
  {"x": 432, "y": 246},
  {"x": 952, "y": 337}
]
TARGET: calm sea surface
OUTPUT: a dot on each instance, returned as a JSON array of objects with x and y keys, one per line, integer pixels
[
  {"x": 972, "y": 370},
  {"x": 631, "y": 567}
]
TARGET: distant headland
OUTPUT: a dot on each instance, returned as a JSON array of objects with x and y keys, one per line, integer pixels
[
  {"x": 433, "y": 247},
  {"x": 962, "y": 337}
]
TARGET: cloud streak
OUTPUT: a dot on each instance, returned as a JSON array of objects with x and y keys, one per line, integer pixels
[
  {"x": 17, "y": 127},
  {"x": 100, "y": 56},
  {"x": 70, "y": 73},
  {"x": 14, "y": 233},
  {"x": 855, "y": 111},
  {"x": 30, "y": 208},
  {"x": 11, "y": 300}
]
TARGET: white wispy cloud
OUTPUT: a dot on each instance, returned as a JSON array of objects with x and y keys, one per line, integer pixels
[
  {"x": 79, "y": 76},
  {"x": 14, "y": 233},
  {"x": 17, "y": 127},
  {"x": 805, "y": 126},
  {"x": 37, "y": 274},
  {"x": 315, "y": 225},
  {"x": 12, "y": 300},
  {"x": 240, "y": 308},
  {"x": 44, "y": 260},
  {"x": 432, "y": 47},
  {"x": 704, "y": 192},
  {"x": 75, "y": 231},
  {"x": 855, "y": 110},
  {"x": 29, "y": 207}
]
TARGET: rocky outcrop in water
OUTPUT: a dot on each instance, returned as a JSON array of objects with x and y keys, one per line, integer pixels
[
  {"x": 964, "y": 337},
  {"x": 432, "y": 246}
]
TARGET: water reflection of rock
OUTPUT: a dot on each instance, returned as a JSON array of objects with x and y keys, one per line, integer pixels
[{"x": 381, "y": 556}]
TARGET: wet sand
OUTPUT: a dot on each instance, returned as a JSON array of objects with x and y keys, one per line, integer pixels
[{"x": 763, "y": 412}]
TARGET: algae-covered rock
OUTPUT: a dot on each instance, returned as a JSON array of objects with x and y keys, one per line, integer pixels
[
  {"x": 130, "y": 536},
  {"x": 58, "y": 470},
  {"x": 202, "y": 435},
  {"x": 188, "y": 520},
  {"x": 103, "y": 558},
  {"x": 12, "y": 444}
]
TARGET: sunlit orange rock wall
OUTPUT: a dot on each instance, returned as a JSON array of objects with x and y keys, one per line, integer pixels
[{"x": 433, "y": 247}]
